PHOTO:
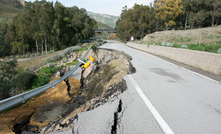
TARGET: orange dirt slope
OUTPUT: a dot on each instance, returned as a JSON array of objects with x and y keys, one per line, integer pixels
[{"x": 45, "y": 107}]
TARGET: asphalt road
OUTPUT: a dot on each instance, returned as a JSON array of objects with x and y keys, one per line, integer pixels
[{"x": 165, "y": 98}]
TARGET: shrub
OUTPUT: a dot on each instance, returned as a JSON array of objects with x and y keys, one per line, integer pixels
[
  {"x": 65, "y": 60},
  {"x": 50, "y": 65},
  {"x": 208, "y": 48},
  {"x": 69, "y": 50},
  {"x": 140, "y": 42},
  {"x": 38, "y": 54},
  {"x": 184, "y": 46},
  {"x": 163, "y": 44},
  {"x": 7, "y": 77},
  {"x": 101, "y": 41},
  {"x": 195, "y": 47},
  {"x": 168, "y": 44},
  {"x": 59, "y": 56},
  {"x": 28, "y": 55},
  {"x": 174, "y": 45},
  {"x": 215, "y": 48},
  {"x": 44, "y": 76},
  {"x": 52, "y": 51},
  {"x": 219, "y": 51},
  {"x": 23, "y": 81},
  {"x": 84, "y": 45}
]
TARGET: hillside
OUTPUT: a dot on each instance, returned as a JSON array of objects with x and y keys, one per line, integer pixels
[
  {"x": 13, "y": 3},
  {"x": 102, "y": 25},
  {"x": 8, "y": 11},
  {"x": 209, "y": 35},
  {"x": 109, "y": 20}
]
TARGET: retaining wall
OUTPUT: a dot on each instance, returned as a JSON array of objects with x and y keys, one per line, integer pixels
[{"x": 210, "y": 62}]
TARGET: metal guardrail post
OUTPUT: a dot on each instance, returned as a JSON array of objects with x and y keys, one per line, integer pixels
[{"x": 9, "y": 102}]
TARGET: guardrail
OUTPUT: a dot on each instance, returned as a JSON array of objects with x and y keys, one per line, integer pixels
[{"x": 9, "y": 102}]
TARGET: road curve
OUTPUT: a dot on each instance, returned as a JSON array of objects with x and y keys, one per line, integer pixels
[{"x": 164, "y": 98}]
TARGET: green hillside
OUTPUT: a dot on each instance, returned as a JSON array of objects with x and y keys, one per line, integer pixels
[
  {"x": 109, "y": 20},
  {"x": 8, "y": 11},
  {"x": 13, "y": 3},
  {"x": 102, "y": 25}
]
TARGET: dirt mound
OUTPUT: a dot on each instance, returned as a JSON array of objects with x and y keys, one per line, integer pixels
[{"x": 206, "y": 35}]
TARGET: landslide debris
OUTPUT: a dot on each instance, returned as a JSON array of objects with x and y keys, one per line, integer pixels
[
  {"x": 40, "y": 110},
  {"x": 56, "y": 109},
  {"x": 103, "y": 82}
]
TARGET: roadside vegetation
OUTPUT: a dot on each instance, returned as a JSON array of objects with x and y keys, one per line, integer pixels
[
  {"x": 44, "y": 26},
  {"x": 8, "y": 11},
  {"x": 21, "y": 76},
  {"x": 165, "y": 23},
  {"x": 161, "y": 15}
]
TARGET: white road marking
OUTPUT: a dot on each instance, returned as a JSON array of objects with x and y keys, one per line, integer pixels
[
  {"x": 163, "y": 125},
  {"x": 181, "y": 67}
]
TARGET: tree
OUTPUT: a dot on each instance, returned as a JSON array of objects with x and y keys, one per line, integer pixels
[
  {"x": 197, "y": 18},
  {"x": 82, "y": 25},
  {"x": 216, "y": 10},
  {"x": 46, "y": 21},
  {"x": 137, "y": 21},
  {"x": 168, "y": 10},
  {"x": 186, "y": 8},
  {"x": 45, "y": 25},
  {"x": 7, "y": 76},
  {"x": 2, "y": 44},
  {"x": 35, "y": 28}
]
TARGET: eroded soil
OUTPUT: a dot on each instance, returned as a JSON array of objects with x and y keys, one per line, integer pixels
[
  {"x": 56, "y": 109},
  {"x": 41, "y": 110}
]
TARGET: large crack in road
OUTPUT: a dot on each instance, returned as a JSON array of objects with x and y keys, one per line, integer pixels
[{"x": 116, "y": 118}]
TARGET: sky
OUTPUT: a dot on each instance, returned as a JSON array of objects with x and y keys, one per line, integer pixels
[{"x": 110, "y": 7}]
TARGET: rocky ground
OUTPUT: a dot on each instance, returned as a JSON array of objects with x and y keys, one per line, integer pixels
[{"x": 56, "y": 109}]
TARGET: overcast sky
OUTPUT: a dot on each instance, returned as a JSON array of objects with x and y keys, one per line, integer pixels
[{"x": 111, "y": 7}]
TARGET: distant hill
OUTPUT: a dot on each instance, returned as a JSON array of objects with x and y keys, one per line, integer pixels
[
  {"x": 10, "y": 8},
  {"x": 13, "y": 3},
  {"x": 8, "y": 11},
  {"x": 109, "y": 20},
  {"x": 102, "y": 25}
]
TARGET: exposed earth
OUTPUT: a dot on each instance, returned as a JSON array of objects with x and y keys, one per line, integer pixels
[{"x": 56, "y": 109}]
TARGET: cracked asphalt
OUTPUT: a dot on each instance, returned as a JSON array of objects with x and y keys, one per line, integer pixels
[
  {"x": 161, "y": 98},
  {"x": 187, "y": 102}
]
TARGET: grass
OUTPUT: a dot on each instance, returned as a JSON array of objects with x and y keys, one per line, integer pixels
[
  {"x": 42, "y": 79},
  {"x": 44, "y": 76},
  {"x": 83, "y": 49},
  {"x": 7, "y": 20},
  {"x": 37, "y": 61},
  {"x": 102, "y": 25},
  {"x": 45, "y": 73},
  {"x": 199, "y": 47},
  {"x": 7, "y": 11},
  {"x": 33, "y": 62},
  {"x": 72, "y": 63}
]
